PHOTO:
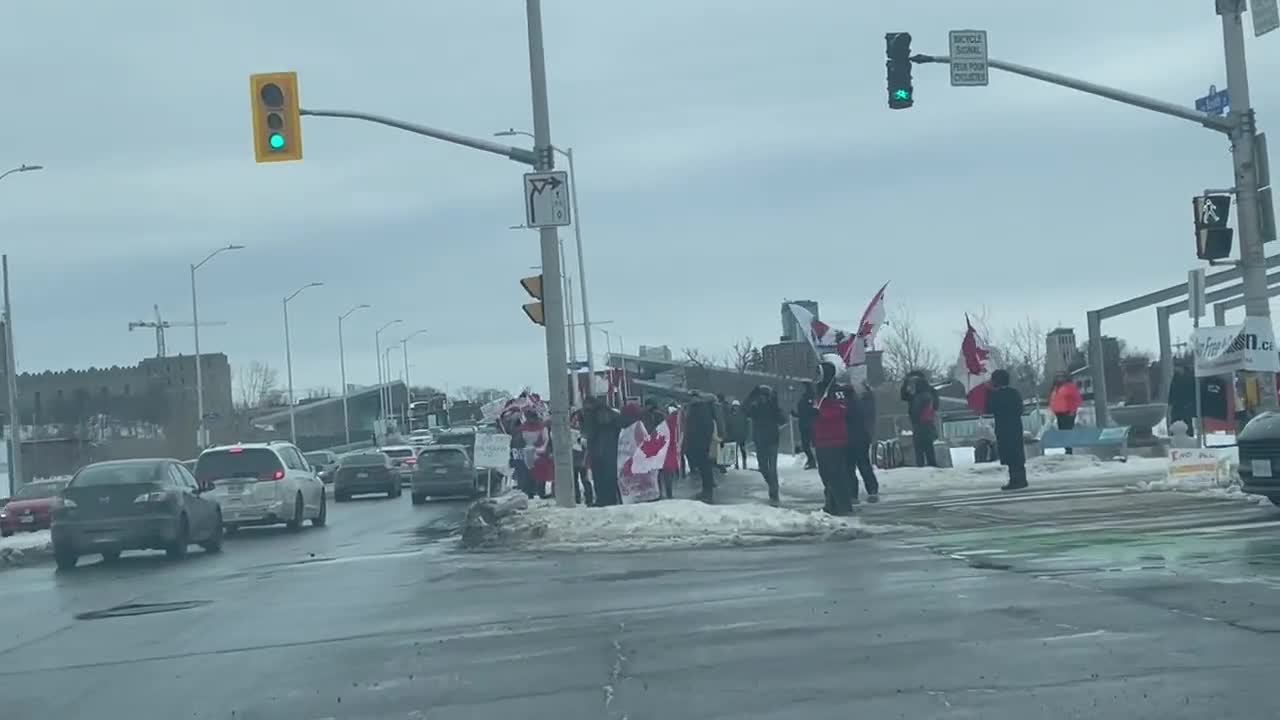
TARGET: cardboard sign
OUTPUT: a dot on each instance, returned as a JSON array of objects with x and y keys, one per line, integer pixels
[
  {"x": 1207, "y": 465},
  {"x": 493, "y": 451}
]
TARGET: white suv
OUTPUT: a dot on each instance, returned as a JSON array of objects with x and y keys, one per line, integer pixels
[{"x": 262, "y": 484}]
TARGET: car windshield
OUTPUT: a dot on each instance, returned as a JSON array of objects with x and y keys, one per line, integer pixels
[
  {"x": 318, "y": 458},
  {"x": 364, "y": 460},
  {"x": 399, "y": 452},
  {"x": 39, "y": 490},
  {"x": 236, "y": 462},
  {"x": 116, "y": 474}
]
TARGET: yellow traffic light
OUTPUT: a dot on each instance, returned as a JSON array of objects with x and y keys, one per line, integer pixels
[
  {"x": 277, "y": 122},
  {"x": 533, "y": 286}
]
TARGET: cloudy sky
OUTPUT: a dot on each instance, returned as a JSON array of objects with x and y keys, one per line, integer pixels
[{"x": 732, "y": 153}]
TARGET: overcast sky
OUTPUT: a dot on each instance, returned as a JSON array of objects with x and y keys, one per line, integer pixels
[{"x": 732, "y": 153}]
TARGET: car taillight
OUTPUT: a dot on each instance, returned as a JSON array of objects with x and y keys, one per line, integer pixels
[
  {"x": 410, "y": 461},
  {"x": 269, "y": 475},
  {"x": 152, "y": 497},
  {"x": 65, "y": 502}
]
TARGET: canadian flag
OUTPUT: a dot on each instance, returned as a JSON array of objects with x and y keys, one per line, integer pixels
[
  {"x": 872, "y": 318},
  {"x": 974, "y": 368},
  {"x": 824, "y": 338}
]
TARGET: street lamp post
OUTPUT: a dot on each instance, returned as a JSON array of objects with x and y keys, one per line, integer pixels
[
  {"x": 377, "y": 359},
  {"x": 386, "y": 364},
  {"x": 342, "y": 364},
  {"x": 11, "y": 369},
  {"x": 288, "y": 359},
  {"x": 201, "y": 439},
  {"x": 404, "y": 348},
  {"x": 577, "y": 236}
]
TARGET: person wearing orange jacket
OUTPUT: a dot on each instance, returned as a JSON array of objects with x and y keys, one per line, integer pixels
[{"x": 1064, "y": 402}]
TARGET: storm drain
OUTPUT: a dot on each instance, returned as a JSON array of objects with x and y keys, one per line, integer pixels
[{"x": 131, "y": 609}]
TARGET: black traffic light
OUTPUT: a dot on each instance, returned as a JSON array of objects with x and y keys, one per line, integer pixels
[
  {"x": 533, "y": 286},
  {"x": 1213, "y": 237},
  {"x": 898, "y": 50}
]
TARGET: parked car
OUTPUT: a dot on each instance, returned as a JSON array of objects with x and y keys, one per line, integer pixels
[
  {"x": 29, "y": 509},
  {"x": 444, "y": 471},
  {"x": 263, "y": 484},
  {"x": 109, "y": 507},
  {"x": 403, "y": 458},
  {"x": 366, "y": 472},
  {"x": 324, "y": 463}
]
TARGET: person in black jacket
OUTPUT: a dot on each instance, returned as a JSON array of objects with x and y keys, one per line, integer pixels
[
  {"x": 1182, "y": 398},
  {"x": 602, "y": 424},
  {"x": 766, "y": 417},
  {"x": 804, "y": 414},
  {"x": 699, "y": 430},
  {"x": 922, "y": 408},
  {"x": 862, "y": 423},
  {"x": 1004, "y": 403}
]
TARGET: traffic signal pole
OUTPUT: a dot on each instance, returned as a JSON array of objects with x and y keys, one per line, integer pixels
[
  {"x": 1240, "y": 126},
  {"x": 552, "y": 300}
]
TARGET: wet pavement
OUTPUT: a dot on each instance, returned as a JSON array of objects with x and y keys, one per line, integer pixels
[{"x": 1094, "y": 602}]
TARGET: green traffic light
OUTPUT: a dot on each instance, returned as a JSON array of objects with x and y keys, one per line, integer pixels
[
  {"x": 276, "y": 141},
  {"x": 902, "y": 94}
]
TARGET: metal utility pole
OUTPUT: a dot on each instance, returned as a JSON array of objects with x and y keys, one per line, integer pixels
[
  {"x": 383, "y": 405},
  {"x": 404, "y": 348},
  {"x": 342, "y": 365},
  {"x": 1243, "y": 132},
  {"x": 11, "y": 385},
  {"x": 201, "y": 435},
  {"x": 288, "y": 360},
  {"x": 552, "y": 302}
]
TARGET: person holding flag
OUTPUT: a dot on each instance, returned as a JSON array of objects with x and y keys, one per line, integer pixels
[{"x": 831, "y": 435}]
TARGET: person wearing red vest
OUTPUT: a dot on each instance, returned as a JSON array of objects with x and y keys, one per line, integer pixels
[{"x": 831, "y": 438}]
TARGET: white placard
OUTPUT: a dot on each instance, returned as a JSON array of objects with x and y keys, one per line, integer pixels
[
  {"x": 493, "y": 451},
  {"x": 968, "y": 57},
  {"x": 546, "y": 199},
  {"x": 1249, "y": 347}
]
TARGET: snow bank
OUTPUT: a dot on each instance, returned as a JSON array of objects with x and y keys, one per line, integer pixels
[
  {"x": 17, "y": 549},
  {"x": 674, "y": 524}
]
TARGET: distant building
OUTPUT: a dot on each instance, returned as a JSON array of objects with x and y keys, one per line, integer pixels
[
  {"x": 793, "y": 358},
  {"x": 1059, "y": 351},
  {"x": 791, "y": 330},
  {"x": 655, "y": 352}
]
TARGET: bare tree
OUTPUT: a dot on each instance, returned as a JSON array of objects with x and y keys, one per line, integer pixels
[
  {"x": 744, "y": 356},
  {"x": 478, "y": 395},
  {"x": 697, "y": 358},
  {"x": 1024, "y": 352},
  {"x": 905, "y": 348},
  {"x": 257, "y": 382}
]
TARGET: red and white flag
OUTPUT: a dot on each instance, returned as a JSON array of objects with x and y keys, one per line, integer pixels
[
  {"x": 822, "y": 337},
  {"x": 872, "y": 318},
  {"x": 974, "y": 368}
]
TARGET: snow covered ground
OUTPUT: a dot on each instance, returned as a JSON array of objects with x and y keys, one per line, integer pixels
[
  {"x": 675, "y": 524},
  {"x": 15, "y": 547}
]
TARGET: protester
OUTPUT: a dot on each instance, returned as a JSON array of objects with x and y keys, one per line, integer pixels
[
  {"x": 1004, "y": 403},
  {"x": 519, "y": 468},
  {"x": 922, "y": 409},
  {"x": 1182, "y": 398},
  {"x": 862, "y": 423},
  {"x": 736, "y": 425},
  {"x": 721, "y": 407},
  {"x": 804, "y": 414},
  {"x": 671, "y": 465},
  {"x": 1064, "y": 402},
  {"x": 602, "y": 424},
  {"x": 700, "y": 435},
  {"x": 831, "y": 435},
  {"x": 581, "y": 485},
  {"x": 536, "y": 450},
  {"x": 766, "y": 417}
]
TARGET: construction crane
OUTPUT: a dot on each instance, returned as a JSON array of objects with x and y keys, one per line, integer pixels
[{"x": 160, "y": 326}]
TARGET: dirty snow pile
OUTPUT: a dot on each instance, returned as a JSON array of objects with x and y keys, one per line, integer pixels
[
  {"x": 674, "y": 524},
  {"x": 14, "y": 548}
]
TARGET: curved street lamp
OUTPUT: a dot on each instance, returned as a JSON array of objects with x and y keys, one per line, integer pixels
[
  {"x": 342, "y": 364},
  {"x": 288, "y": 359},
  {"x": 383, "y": 402},
  {"x": 201, "y": 440}
]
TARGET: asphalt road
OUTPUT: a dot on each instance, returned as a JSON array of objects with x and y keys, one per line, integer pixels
[{"x": 377, "y": 617}]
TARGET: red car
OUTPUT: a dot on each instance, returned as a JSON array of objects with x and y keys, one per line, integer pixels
[{"x": 29, "y": 509}]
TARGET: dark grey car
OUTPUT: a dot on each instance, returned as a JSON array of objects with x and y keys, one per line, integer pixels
[
  {"x": 110, "y": 507},
  {"x": 366, "y": 472},
  {"x": 443, "y": 471}
]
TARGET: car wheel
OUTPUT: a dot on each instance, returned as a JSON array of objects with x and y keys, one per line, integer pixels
[
  {"x": 341, "y": 497},
  {"x": 391, "y": 491},
  {"x": 419, "y": 499},
  {"x": 65, "y": 559},
  {"x": 323, "y": 517},
  {"x": 214, "y": 543},
  {"x": 178, "y": 548},
  {"x": 230, "y": 528},
  {"x": 295, "y": 523},
  {"x": 6, "y": 533},
  {"x": 1275, "y": 500},
  {"x": 111, "y": 556}
]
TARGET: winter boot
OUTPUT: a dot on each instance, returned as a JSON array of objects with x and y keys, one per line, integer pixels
[{"x": 873, "y": 497}]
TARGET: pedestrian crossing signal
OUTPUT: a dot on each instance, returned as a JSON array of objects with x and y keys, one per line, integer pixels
[
  {"x": 1213, "y": 237},
  {"x": 533, "y": 286},
  {"x": 898, "y": 68}
]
